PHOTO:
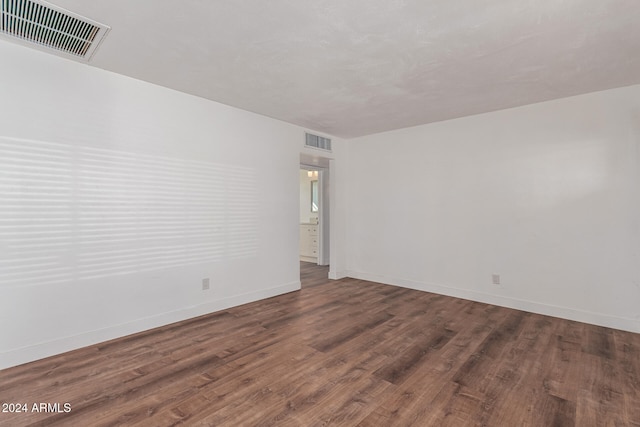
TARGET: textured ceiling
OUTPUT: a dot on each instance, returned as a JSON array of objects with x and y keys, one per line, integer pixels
[{"x": 356, "y": 67}]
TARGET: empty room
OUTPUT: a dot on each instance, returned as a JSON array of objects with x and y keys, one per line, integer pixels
[{"x": 466, "y": 252}]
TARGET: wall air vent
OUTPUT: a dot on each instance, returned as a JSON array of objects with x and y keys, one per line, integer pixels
[
  {"x": 42, "y": 25},
  {"x": 315, "y": 141}
]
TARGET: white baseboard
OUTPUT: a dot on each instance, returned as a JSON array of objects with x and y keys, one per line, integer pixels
[
  {"x": 337, "y": 275},
  {"x": 600, "y": 319},
  {"x": 27, "y": 354}
]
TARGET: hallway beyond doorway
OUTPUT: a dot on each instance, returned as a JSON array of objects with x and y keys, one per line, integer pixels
[{"x": 312, "y": 274}]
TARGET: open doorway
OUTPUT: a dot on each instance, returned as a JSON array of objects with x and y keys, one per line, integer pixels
[
  {"x": 314, "y": 217},
  {"x": 310, "y": 215},
  {"x": 314, "y": 225}
]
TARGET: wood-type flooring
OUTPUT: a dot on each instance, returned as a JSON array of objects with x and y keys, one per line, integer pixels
[{"x": 342, "y": 353}]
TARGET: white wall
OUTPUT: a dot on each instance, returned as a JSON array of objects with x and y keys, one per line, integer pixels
[
  {"x": 338, "y": 189},
  {"x": 118, "y": 197},
  {"x": 545, "y": 195}
]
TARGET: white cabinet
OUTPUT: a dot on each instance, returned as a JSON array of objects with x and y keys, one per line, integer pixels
[{"x": 309, "y": 242}]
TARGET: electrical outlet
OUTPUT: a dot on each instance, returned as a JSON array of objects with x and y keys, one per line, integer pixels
[
  {"x": 495, "y": 278},
  {"x": 205, "y": 284}
]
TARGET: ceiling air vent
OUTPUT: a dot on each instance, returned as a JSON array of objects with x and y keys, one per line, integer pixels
[
  {"x": 39, "y": 24},
  {"x": 316, "y": 141}
]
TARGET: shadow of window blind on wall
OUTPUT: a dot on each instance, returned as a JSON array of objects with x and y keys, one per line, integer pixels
[{"x": 73, "y": 213}]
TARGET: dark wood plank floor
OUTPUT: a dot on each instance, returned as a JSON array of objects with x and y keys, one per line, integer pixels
[{"x": 343, "y": 353}]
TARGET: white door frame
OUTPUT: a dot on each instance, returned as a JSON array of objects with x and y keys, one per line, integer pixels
[{"x": 324, "y": 219}]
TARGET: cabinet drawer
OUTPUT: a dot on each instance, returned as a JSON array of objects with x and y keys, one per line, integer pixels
[{"x": 309, "y": 240}]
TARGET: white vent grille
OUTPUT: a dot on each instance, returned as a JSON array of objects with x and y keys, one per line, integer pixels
[
  {"x": 316, "y": 141},
  {"x": 40, "y": 24}
]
